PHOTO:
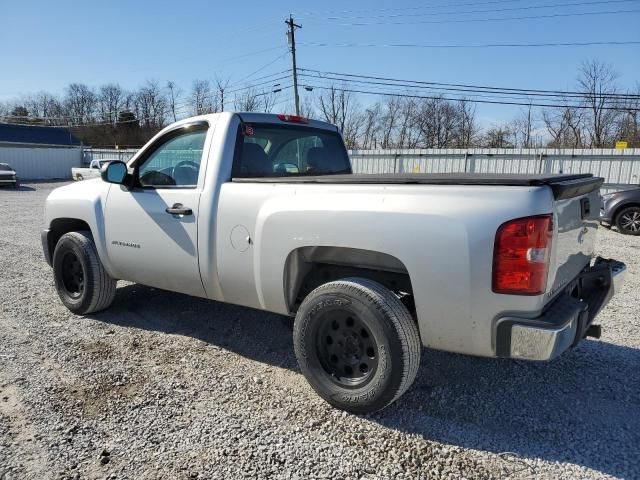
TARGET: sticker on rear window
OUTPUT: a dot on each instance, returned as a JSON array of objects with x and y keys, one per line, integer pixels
[{"x": 247, "y": 130}]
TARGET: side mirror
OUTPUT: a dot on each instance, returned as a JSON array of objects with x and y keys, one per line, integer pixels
[{"x": 114, "y": 172}]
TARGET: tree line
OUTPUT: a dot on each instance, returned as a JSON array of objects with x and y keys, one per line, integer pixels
[{"x": 110, "y": 115}]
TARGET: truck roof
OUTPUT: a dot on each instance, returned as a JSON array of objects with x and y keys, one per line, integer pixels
[{"x": 255, "y": 117}]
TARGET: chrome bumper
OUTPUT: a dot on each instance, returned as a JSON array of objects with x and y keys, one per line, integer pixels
[{"x": 565, "y": 322}]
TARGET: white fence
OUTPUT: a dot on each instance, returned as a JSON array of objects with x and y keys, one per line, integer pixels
[
  {"x": 41, "y": 163},
  {"x": 107, "y": 154},
  {"x": 619, "y": 168}
]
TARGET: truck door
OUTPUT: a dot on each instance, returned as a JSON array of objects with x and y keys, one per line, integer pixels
[{"x": 151, "y": 229}]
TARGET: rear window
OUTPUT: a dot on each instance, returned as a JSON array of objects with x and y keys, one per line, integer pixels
[
  {"x": 5, "y": 168},
  {"x": 268, "y": 150}
]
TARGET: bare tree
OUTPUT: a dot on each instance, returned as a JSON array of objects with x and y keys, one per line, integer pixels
[
  {"x": 597, "y": 82},
  {"x": 627, "y": 127},
  {"x": 306, "y": 107},
  {"x": 565, "y": 125},
  {"x": 175, "y": 93},
  {"x": 247, "y": 101},
  {"x": 80, "y": 102},
  {"x": 370, "y": 127},
  {"x": 522, "y": 127},
  {"x": 467, "y": 127},
  {"x": 4, "y": 109},
  {"x": 437, "y": 119},
  {"x": 408, "y": 134},
  {"x": 203, "y": 98},
  {"x": 390, "y": 120},
  {"x": 498, "y": 137},
  {"x": 221, "y": 88},
  {"x": 340, "y": 107},
  {"x": 152, "y": 105},
  {"x": 45, "y": 107},
  {"x": 110, "y": 100}
]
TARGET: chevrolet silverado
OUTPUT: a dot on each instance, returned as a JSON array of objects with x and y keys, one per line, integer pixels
[{"x": 264, "y": 211}]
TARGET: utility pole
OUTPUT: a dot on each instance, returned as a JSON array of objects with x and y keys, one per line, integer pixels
[{"x": 291, "y": 34}]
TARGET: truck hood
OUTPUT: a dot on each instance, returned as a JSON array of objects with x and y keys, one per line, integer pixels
[{"x": 81, "y": 190}]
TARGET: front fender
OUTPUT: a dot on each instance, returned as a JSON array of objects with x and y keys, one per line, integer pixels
[{"x": 83, "y": 201}]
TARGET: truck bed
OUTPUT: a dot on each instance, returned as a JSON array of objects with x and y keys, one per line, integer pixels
[{"x": 562, "y": 185}]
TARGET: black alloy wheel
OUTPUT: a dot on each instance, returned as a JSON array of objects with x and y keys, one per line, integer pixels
[
  {"x": 356, "y": 344},
  {"x": 83, "y": 284},
  {"x": 346, "y": 348},
  {"x": 72, "y": 275}
]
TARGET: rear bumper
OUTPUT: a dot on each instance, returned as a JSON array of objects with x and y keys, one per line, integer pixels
[{"x": 566, "y": 320}]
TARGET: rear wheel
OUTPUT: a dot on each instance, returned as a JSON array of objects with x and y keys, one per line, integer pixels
[
  {"x": 356, "y": 344},
  {"x": 628, "y": 221},
  {"x": 83, "y": 284}
]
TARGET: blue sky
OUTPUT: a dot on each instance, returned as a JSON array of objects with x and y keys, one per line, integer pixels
[{"x": 47, "y": 45}]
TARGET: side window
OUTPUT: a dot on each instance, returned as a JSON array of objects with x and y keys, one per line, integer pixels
[{"x": 176, "y": 162}]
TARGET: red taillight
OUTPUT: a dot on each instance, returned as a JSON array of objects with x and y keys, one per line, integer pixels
[
  {"x": 521, "y": 256},
  {"x": 292, "y": 118}
]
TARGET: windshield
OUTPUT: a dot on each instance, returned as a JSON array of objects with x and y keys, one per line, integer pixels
[
  {"x": 271, "y": 150},
  {"x": 5, "y": 168}
]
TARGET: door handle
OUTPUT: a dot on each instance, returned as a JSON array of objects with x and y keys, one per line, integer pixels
[{"x": 179, "y": 209}]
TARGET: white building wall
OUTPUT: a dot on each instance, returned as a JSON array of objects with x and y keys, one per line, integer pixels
[{"x": 41, "y": 163}]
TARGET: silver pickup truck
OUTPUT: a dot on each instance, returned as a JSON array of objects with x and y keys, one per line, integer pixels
[{"x": 264, "y": 211}]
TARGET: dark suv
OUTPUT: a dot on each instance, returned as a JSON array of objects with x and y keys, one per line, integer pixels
[{"x": 622, "y": 209}]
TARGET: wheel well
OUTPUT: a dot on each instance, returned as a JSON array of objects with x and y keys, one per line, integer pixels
[
  {"x": 614, "y": 217},
  {"x": 309, "y": 267},
  {"x": 60, "y": 226}
]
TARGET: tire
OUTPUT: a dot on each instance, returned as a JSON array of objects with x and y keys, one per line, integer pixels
[
  {"x": 16, "y": 185},
  {"x": 83, "y": 284},
  {"x": 356, "y": 344},
  {"x": 628, "y": 221}
]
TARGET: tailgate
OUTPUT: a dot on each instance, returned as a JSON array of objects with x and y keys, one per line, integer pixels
[{"x": 576, "y": 220}]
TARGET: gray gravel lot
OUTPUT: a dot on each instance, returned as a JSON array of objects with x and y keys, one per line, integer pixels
[{"x": 168, "y": 386}]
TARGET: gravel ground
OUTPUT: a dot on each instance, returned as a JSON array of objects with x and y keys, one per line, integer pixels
[{"x": 167, "y": 386}]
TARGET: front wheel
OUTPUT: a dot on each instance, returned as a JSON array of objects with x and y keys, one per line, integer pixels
[
  {"x": 83, "y": 284},
  {"x": 356, "y": 344},
  {"x": 628, "y": 221}
]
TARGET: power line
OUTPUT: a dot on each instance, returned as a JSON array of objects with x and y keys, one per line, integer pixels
[
  {"x": 467, "y": 87},
  {"x": 426, "y": 97},
  {"x": 271, "y": 62},
  {"x": 494, "y": 19},
  {"x": 495, "y": 10},
  {"x": 465, "y": 94},
  {"x": 404, "y": 9},
  {"x": 486, "y": 45},
  {"x": 476, "y": 98}
]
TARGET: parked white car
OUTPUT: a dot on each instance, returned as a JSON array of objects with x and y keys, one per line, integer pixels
[
  {"x": 8, "y": 175},
  {"x": 93, "y": 171},
  {"x": 264, "y": 211}
]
